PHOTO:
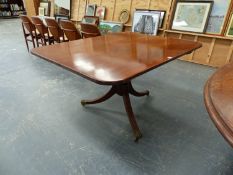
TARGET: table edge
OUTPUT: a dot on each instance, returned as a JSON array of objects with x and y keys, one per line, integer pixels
[
  {"x": 220, "y": 124},
  {"x": 119, "y": 81}
]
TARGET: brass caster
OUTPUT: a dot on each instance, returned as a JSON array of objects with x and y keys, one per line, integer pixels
[
  {"x": 83, "y": 103},
  {"x": 138, "y": 136}
]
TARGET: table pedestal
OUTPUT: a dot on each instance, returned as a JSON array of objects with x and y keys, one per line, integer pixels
[{"x": 123, "y": 90}]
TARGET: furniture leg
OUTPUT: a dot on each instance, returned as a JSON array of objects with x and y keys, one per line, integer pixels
[
  {"x": 25, "y": 37},
  {"x": 132, "y": 120},
  {"x": 26, "y": 43},
  {"x": 135, "y": 93},
  {"x": 122, "y": 90},
  {"x": 33, "y": 42},
  {"x": 110, "y": 93}
]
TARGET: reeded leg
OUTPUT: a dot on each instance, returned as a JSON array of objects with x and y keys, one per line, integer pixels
[
  {"x": 110, "y": 93},
  {"x": 135, "y": 93},
  {"x": 132, "y": 120}
]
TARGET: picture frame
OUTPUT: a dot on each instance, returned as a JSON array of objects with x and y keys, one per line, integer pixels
[
  {"x": 100, "y": 12},
  {"x": 47, "y": 6},
  {"x": 229, "y": 32},
  {"x": 162, "y": 15},
  {"x": 217, "y": 20},
  {"x": 62, "y": 8},
  {"x": 90, "y": 10},
  {"x": 110, "y": 27},
  {"x": 124, "y": 16},
  {"x": 91, "y": 20},
  {"x": 146, "y": 22},
  {"x": 41, "y": 11},
  {"x": 191, "y": 16}
]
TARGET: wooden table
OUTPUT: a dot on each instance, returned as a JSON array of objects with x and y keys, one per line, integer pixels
[
  {"x": 218, "y": 96},
  {"x": 115, "y": 60}
]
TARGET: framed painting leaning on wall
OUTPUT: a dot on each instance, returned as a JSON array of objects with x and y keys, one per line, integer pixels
[
  {"x": 146, "y": 22},
  {"x": 218, "y": 16},
  {"x": 191, "y": 16},
  {"x": 230, "y": 28}
]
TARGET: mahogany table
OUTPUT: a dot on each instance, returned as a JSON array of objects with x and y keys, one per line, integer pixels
[
  {"x": 218, "y": 96},
  {"x": 115, "y": 60}
]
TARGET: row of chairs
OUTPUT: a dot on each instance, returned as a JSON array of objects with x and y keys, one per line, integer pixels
[{"x": 38, "y": 33}]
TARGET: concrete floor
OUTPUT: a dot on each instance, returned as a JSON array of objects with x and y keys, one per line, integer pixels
[{"x": 45, "y": 131}]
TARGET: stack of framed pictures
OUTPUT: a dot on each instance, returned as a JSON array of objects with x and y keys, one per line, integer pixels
[
  {"x": 148, "y": 21},
  {"x": 201, "y": 16}
]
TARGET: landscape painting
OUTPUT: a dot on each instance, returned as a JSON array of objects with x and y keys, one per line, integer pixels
[{"x": 110, "y": 27}]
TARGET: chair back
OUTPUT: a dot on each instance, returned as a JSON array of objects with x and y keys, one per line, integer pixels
[
  {"x": 27, "y": 24},
  {"x": 40, "y": 25},
  {"x": 89, "y": 30},
  {"x": 70, "y": 30},
  {"x": 54, "y": 29}
]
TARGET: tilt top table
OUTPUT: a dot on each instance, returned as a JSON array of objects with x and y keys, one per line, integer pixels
[
  {"x": 116, "y": 59},
  {"x": 218, "y": 95}
]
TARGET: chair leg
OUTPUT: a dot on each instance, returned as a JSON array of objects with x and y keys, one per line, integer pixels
[
  {"x": 33, "y": 42},
  {"x": 27, "y": 44},
  {"x": 37, "y": 42}
]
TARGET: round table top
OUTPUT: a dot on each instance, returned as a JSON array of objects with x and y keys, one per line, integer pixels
[{"x": 218, "y": 96}]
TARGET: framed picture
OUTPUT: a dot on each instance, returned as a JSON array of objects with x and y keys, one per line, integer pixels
[
  {"x": 100, "y": 12},
  {"x": 230, "y": 28},
  {"x": 46, "y": 5},
  {"x": 110, "y": 27},
  {"x": 91, "y": 20},
  {"x": 41, "y": 11},
  {"x": 146, "y": 22},
  {"x": 90, "y": 10},
  {"x": 218, "y": 16},
  {"x": 191, "y": 16},
  {"x": 162, "y": 15},
  {"x": 124, "y": 16},
  {"x": 62, "y": 7}
]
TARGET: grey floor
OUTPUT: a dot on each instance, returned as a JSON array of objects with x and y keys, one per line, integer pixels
[{"x": 45, "y": 131}]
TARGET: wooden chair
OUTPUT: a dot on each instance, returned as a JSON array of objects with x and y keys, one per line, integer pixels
[
  {"x": 43, "y": 30},
  {"x": 55, "y": 30},
  {"x": 29, "y": 31},
  {"x": 70, "y": 30},
  {"x": 89, "y": 30}
]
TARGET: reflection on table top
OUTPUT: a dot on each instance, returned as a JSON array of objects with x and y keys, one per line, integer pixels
[{"x": 115, "y": 58}]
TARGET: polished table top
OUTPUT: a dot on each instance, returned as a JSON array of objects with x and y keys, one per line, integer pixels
[
  {"x": 219, "y": 100},
  {"x": 115, "y": 58}
]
